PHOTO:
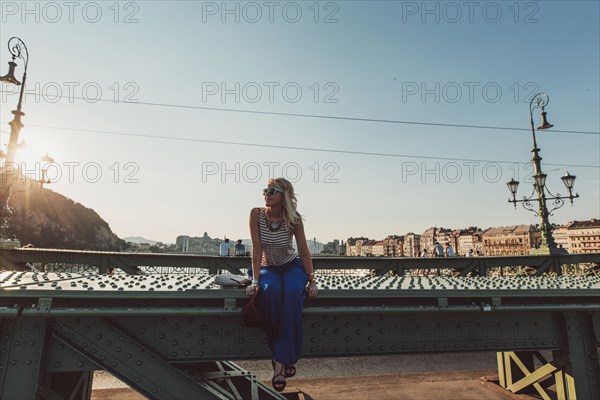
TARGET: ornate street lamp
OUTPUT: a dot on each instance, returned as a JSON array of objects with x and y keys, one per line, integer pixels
[
  {"x": 8, "y": 170},
  {"x": 540, "y": 193}
]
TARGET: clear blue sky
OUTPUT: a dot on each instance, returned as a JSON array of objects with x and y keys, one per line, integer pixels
[{"x": 176, "y": 162}]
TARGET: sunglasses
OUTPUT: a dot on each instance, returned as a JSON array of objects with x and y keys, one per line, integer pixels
[{"x": 271, "y": 191}]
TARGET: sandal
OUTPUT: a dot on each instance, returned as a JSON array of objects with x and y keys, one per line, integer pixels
[
  {"x": 289, "y": 371},
  {"x": 278, "y": 385}
]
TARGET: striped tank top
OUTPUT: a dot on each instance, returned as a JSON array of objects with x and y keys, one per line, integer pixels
[{"x": 276, "y": 243}]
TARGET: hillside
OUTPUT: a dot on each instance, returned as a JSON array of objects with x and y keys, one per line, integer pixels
[
  {"x": 139, "y": 240},
  {"x": 47, "y": 219}
]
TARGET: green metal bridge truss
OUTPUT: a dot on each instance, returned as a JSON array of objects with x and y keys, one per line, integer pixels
[{"x": 177, "y": 336}]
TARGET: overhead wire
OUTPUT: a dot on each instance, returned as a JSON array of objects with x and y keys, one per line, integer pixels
[
  {"x": 319, "y": 116},
  {"x": 315, "y": 149}
]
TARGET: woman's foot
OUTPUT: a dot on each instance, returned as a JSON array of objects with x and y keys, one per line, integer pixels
[
  {"x": 289, "y": 370},
  {"x": 278, "y": 380}
]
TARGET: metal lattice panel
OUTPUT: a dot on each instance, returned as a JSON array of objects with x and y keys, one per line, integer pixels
[{"x": 30, "y": 281}]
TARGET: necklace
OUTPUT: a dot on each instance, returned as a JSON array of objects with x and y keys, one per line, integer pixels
[{"x": 273, "y": 224}]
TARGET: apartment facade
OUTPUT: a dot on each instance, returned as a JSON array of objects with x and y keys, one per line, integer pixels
[
  {"x": 354, "y": 246},
  {"x": 584, "y": 236},
  {"x": 510, "y": 240},
  {"x": 575, "y": 237},
  {"x": 435, "y": 234},
  {"x": 411, "y": 246},
  {"x": 469, "y": 239},
  {"x": 393, "y": 246},
  {"x": 561, "y": 237},
  {"x": 376, "y": 248}
]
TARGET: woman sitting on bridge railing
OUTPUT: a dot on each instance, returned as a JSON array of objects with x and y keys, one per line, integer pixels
[{"x": 283, "y": 279}]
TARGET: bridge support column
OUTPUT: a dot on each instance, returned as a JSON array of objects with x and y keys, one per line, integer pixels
[{"x": 583, "y": 354}]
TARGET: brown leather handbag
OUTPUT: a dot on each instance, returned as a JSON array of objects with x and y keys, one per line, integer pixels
[{"x": 251, "y": 315}]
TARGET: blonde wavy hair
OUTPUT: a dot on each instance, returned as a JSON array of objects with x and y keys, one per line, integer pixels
[{"x": 290, "y": 203}]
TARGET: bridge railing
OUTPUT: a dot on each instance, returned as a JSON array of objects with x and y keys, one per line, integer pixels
[{"x": 103, "y": 262}]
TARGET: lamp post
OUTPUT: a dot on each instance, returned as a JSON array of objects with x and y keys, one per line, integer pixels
[
  {"x": 540, "y": 193},
  {"x": 8, "y": 170}
]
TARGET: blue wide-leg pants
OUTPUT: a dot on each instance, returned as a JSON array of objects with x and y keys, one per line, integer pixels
[{"x": 281, "y": 300}]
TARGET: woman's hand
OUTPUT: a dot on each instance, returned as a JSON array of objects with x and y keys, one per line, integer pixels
[
  {"x": 252, "y": 289},
  {"x": 312, "y": 289}
]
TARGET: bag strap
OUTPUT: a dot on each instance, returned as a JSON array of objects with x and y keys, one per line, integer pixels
[{"x": 260, "y": 210}]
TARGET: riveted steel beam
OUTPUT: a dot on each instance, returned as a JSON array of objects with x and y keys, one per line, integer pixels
[
  {"x": 146, "y": 370},
  {"x": 128, "y": 360},
  {"x": 21, "y": 350},
  {"x": 583, "y": 351},
  {"x": 197, "y": 339},
  {"x": 596, "y": 324}
]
